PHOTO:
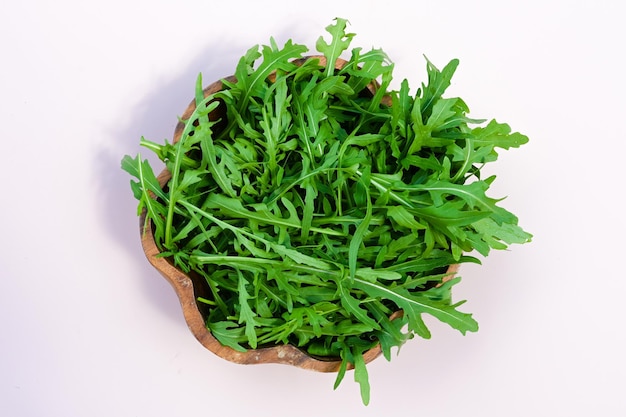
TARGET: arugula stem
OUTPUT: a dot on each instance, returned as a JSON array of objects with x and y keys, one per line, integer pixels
[{"x": 387, "y": 191}]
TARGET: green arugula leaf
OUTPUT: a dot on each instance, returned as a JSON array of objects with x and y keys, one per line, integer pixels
[
  {"x": 361, "y": 376},
  {"x": 438, "y": 82},
  {"x": 339, "y": 43},
  {"x": 413, "y": 305},
  {"x": 498, "y": 135},
  {"x": 147, "y": 184},
  {"x": 361, "y": 230},
  {"x": 352, "y": 305},
  {"x": 228, "y": 334},
  {"x": 246, "y": 315},
  {"x": 250, "y": 80}
]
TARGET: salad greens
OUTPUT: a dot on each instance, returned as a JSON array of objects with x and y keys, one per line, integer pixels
[{"x": 321, "y": 201}]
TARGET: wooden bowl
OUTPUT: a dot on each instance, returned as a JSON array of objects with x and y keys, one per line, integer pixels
[{"x": 189, "y": 287}]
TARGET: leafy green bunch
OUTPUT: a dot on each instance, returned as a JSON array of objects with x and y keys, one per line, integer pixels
[{"x": 318, "y": 202}]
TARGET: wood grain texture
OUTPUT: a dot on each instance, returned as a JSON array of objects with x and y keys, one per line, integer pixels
[{"x": 189, "y": 287}]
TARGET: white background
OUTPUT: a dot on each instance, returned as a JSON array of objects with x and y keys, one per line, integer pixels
[{"x": 88, "y": 328}]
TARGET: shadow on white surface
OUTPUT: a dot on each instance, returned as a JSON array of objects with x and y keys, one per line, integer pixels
[{"x": 154, "y": 116}]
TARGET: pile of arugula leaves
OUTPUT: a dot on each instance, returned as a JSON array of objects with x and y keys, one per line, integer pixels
[{"x": 323, "y": 202}]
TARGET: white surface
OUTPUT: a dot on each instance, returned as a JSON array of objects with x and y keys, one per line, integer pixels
[{"x": 88, "y": 328}]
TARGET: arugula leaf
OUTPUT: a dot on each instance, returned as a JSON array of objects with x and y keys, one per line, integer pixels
[
  {"x": 250, "y": 80},
  {"x": 498, "y": 135},
  {"x": 361, "y": 376},
  {"x": 142, "y": 170},
  {"x": 413, "y": 305},
  {"x": 361, "y": 230},
  {"x": 229, "y": 334},
  {"x": 147, "y": 184},
  {"x": 438, "y": 82},
  {"x": 351, "y": 305},
  {"x": 339, "y": 43},
  {"x": 246, "y": 315}
]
